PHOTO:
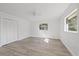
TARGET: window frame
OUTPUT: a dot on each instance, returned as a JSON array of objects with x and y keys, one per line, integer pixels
[
  {"x": 43, "y": 26},
  {"x": 71, "y": 15}
]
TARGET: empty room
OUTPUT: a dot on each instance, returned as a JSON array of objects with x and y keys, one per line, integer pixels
[{"x": 39, "y": 29}]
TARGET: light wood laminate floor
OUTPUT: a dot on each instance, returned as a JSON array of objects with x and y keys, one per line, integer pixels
[{"x": 35, "y": 47}]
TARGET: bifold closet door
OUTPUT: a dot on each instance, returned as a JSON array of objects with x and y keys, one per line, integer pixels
[{"x": 9, "y": 31}]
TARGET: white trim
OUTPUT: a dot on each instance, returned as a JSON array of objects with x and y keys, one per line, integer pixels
[
  {"x": 75, "y": 10},
  {"x": 72, "y": 14},
  {"x": 69, "y": 49}
]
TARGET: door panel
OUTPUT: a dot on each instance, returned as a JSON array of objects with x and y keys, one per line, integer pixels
[{"x": 9, "y": 31}]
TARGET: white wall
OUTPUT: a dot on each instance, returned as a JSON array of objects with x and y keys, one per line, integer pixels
[
  {"x": 23, "y": 27},
  {"x": 53, "y": 29},
  {"x": 71, "y": 40}
]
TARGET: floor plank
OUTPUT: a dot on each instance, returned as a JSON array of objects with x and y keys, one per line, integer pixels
[{"x": 34, "y": 46}]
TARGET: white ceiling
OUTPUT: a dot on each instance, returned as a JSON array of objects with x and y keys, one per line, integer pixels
[{"x": 34, "y": 11}]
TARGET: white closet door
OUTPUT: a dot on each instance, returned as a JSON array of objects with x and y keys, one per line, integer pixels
[
  {"x": 9, "y": 31},
  {"x": 3, "y": 32}
]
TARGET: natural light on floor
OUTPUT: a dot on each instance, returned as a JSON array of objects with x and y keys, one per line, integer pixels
[{"x": 46, "y": 40}]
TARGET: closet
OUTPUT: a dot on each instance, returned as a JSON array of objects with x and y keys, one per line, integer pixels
[{"x": 8, "y": 31}]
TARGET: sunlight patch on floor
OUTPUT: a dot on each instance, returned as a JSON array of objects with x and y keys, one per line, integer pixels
[{"x": 46, "y": 40}]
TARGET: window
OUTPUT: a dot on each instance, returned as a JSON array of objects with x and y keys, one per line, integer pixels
[
  {"x": 43, "y": 26},
  {"x": 71, "y": 22}
]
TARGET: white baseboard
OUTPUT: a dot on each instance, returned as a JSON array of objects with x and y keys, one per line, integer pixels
[
  {"x": 69, "y": 49},
  {"x": 2, "y": 44},
  {"x": 46, "y": 37}
]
